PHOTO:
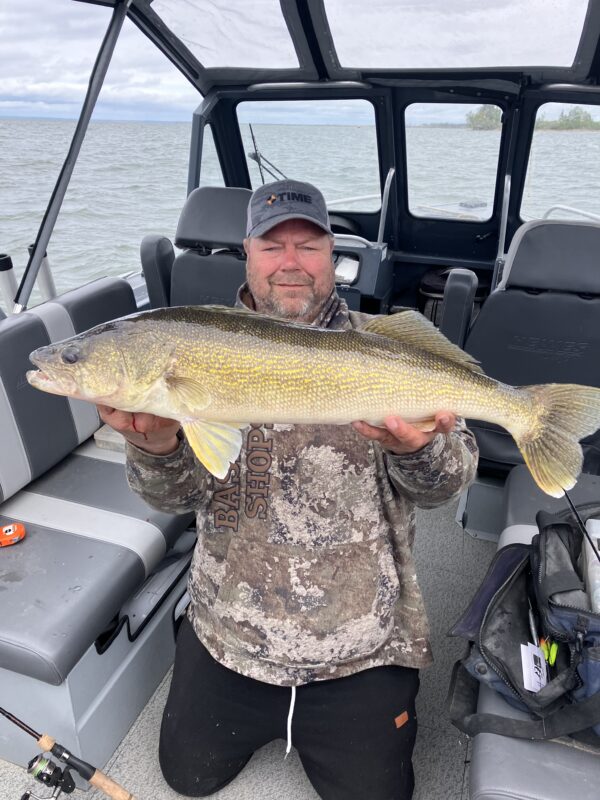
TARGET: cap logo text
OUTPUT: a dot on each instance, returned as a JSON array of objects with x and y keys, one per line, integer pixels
[{"x": 296, "y": 197}]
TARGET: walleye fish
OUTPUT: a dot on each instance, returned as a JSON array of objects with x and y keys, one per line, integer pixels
[{"x": 217, "y": 369}]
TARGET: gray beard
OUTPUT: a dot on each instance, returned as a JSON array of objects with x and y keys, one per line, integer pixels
[{"x": 273, "y": 307}]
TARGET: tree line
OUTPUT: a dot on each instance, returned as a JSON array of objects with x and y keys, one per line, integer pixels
[{"x": 489, "y": 117}]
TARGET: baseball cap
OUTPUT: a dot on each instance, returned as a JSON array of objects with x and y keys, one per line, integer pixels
[{"x": 282, "y": 200}]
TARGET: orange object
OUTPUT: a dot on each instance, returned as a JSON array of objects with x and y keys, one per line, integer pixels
[
  {"x": 11, "y": 534},
  {"x": 401, "y": 719}
]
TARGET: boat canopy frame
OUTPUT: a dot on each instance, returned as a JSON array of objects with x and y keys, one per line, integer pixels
[{"x": 315, "y": 48}]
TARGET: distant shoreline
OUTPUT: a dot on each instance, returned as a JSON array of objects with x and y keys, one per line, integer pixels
[{"x": 424, "y": 126}]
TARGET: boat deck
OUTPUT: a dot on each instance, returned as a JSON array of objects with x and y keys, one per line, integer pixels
[{"x": 450, "y": 566}]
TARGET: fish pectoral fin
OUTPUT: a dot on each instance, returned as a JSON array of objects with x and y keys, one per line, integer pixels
[
  {"x": 190, "y": 394},
  {"x": 215, "y": 444},
  {"x": 410, "y": 327}
]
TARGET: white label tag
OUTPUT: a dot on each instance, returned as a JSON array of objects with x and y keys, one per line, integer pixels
[{"x": 534, "y": 667}]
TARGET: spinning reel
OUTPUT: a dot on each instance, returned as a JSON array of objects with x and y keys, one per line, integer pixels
[{"x": 47, "y": 772}]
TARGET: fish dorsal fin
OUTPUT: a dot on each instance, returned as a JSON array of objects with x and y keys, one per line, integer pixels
[
  {"x": 410, "y": 327},
  {"x": 216, "y": 445}
]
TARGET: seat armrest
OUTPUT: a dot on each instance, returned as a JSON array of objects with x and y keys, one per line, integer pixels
[
  {"x": 157, "y": 255},
  {"x": 459, "y": 295}
]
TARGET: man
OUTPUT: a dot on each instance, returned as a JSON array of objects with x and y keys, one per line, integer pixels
[{"x": 306, "y": 620}]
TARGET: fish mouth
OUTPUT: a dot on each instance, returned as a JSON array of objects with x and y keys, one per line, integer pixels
[{"x": 47, "y": 383}]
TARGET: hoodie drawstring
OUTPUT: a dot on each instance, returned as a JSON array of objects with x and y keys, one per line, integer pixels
[{"x": 289, "y": 722}]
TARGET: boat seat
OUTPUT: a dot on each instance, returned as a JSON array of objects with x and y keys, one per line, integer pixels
[
  {"x": 91, "y": 543},
  {"x": 212, "y": 264},
  {"x": 516, "y": 769},
  {"x": 540, "y": 324},
  {"x": 211, "y": 231}
]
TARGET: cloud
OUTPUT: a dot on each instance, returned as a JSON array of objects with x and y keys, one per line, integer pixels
[{"x": 48, "y": 51}]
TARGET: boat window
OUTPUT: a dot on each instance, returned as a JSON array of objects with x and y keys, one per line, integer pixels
[
  {"x": 231, "y": 33},
  {"x": 406, "y": 35},
  {"x": 330, "y": 143},
  {"x": 211, "y": 173},
  {"x": 563, "y": 175},
  {"x": 452, "y": 154}
]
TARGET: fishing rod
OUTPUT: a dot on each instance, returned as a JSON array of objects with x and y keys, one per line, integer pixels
[
  {"x": 256, "y": 156},
  {"x": 584, "y": 530},
  {"x": 262, "y": 162},
  {"x": 45, "y": 771}
]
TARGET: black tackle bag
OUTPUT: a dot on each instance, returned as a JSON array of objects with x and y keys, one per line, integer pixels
[{"x": 546, "y": 578}]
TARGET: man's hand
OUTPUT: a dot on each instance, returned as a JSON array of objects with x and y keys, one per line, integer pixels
[
  {"x": 153, "y": 434},
  {"x": 401, "y": 437}
]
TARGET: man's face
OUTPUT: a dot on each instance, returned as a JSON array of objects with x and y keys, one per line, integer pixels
[{"x": 290, "y": 271}]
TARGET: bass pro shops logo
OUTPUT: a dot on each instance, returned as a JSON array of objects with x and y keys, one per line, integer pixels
[{"x": 288, "y": 197}]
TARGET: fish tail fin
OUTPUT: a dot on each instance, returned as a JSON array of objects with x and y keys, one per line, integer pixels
[{"x": 563, "y": 414}]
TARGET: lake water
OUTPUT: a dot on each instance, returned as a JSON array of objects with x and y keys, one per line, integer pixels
[{"x": 131, "y": 179}]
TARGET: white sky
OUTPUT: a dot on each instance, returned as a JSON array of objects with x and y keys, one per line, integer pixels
[{"x": 49, "y": 46}]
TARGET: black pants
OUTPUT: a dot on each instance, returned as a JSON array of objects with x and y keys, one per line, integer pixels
[{"x": 354, "y": 735}]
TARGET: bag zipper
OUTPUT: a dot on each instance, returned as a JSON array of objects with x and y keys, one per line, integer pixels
[{"x": 482, "y": 649}]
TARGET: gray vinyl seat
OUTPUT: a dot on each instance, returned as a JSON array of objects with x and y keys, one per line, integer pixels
[
  {"x": 540, "y": 325},
  {"x": 91, "y": 542},
  {"x": 212, "y": 264}
]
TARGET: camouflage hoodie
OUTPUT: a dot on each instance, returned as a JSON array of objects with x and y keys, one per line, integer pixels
[{"x": 303, "y": 569}]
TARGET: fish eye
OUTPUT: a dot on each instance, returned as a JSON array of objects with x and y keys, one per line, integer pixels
[{"x": 70, "y": 355}]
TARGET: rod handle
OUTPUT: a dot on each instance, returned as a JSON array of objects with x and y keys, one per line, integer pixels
[
  {"x": 46, "y": 743},
  {"x": 109, "y": 787},
  {"x": 98, "y": 779}
]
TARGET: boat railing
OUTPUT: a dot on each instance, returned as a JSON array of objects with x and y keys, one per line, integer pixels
[
  {"x": 572, "y": 210},
  {"x": 342, "y": 200}
]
